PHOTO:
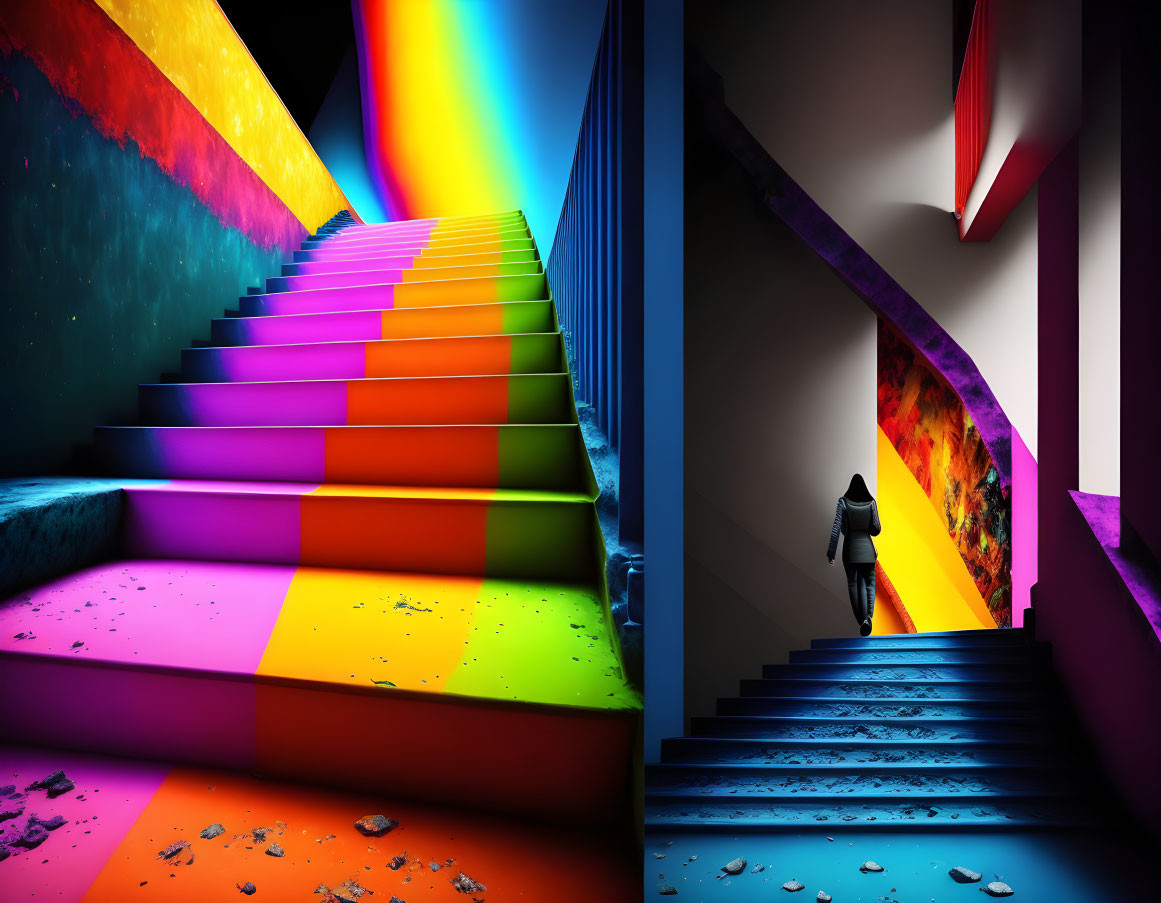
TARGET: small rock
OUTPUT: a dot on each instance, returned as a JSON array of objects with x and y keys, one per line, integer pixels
[
  {"x": 794, "y": 886},
  {"x": 7, "y": 790},
  {"x": 434, "y": 866},
  {"x": 997, "y": 889},
  {"x": 4, "y": 854},
  {"x": 397, "y": 862},
  {"x": 275, "y": 850},
  {"x": 466, "y": 885},
  {"x": 212, "y": 831},
  {"x": 33, "y": 836},
  {"x": 375, "y": 825},
  {"x": 349, "y": 892},
  {"x": 758, "y": 867},
  {"x": 260, "y": 834},
  {"x": 49, "y": 824},
  {"x": 78, "y": 643},
  {"x": 7, "y": 812},
  {"x": 173, "y": 849},
  {"x": 734, "y": 867},
  {"x": 55, "y": 784},
  {"x": 248, "y": 888},
  {"x": 871, "y": 866},
  {"x": 668, "y": 890},
  {"x": 964, "y": 876},
  {"x": 823, "y": 897}
]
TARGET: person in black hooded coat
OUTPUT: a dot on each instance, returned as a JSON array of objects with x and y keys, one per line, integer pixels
[{"x": 857, "y": 518}]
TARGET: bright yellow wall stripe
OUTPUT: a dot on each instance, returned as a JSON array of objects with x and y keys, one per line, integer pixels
[
  {"x": 916, "y": 551},
  {"x": 194, "y": 45}
]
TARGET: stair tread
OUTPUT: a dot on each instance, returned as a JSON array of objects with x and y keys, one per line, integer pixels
[
  {"x": 487, "y": 638},
  {"x": 353, "y": 490}
]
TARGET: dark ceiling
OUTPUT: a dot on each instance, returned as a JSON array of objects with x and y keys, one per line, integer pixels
[{"x": 299, "y": 47}]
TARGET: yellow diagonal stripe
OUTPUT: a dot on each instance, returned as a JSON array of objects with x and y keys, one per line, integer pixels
[{"x": 194, "y": 45}]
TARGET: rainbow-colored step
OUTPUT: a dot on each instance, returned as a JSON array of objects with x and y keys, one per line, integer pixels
[{"x": 360, "y": 545}]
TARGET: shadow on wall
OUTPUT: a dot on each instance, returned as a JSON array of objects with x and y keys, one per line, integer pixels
[{"x": 780, "y": 375}]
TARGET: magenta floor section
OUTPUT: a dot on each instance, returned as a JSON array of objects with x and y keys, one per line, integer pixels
[
  {"x": 175, "y": 614},
  {"x": 108, "y": 796}
]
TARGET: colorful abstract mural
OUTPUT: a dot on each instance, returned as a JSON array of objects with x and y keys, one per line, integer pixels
[{"x": 926, "y": 423}]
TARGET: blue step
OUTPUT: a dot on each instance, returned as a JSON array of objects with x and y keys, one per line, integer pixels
[
  {"x": 916, "y": 670},
  {"x": 975, "y": 653},
  {"x": 710, "y": 750},
  {"x": 857, "y": 728},
  {"x": 841, "y": 688},
  {"x": 821, "y": 706}
]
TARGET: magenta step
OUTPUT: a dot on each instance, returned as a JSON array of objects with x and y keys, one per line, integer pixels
[
  {"x": 457, "y": 530},
  {"x": 516, "y": 456},
  {"x": 396, "y": 276},
  {"x": 397, "y": 323},
  {"x": 454, "y": 356},
  {"x": 506, "y": 398}
]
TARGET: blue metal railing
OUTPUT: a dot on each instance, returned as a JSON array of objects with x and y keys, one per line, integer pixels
[{"x": 594, "y": 266}]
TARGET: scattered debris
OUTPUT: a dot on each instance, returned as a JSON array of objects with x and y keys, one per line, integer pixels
[
  {"x": 212, "y": 831},
  {"x": 275, "y": 850},
  {"x": 871, "y": 866},
  {"x": 997, "y": 889},
  {"x": 668, "y": 890},
  {"x": 793, "y": 885},
  {"x": 733, "y": 867},
  {"x": 758, "y": 867},
  {"x": 260, "y": 834},
  {"x": 173, "y": 849},
  {"x": 964, "y": 876},
  {"x": 347, "y": 892},
  {"x": 823, "y": 897},
  {"x": 434, "y": 866},
  {"x": 7, "y": 812},
  {"x": 466, "y": 885},
  {"x": 55, "y": 784},
  {"x": 397, "y": 862},
  {"x": 655, "y": 855},
  {"x": 248, "y": 888},
  {"x": 375, "y": 825}
]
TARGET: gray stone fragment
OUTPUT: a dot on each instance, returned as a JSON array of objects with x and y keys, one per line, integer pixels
[
  {"x": 173, "y": 849},
  {"x": 375, "y": 825},
  {"x": 212, "y": 831},
  {"x": 871, "y": 866},
  {"x": 248, "y": 888},
  {"x": 997, "y": 889},
  {"x": 397, "y": 862},
  {"x": 275, "y": 850},
  {"x": 794, "y": 886},
  {"x": 260, "y": 834},
  {"x": 964, "y": 876},
  {"x": 466, "y": 885},
  {"x": 823, "y": 897},
  {"x": 734, "y": 867}
]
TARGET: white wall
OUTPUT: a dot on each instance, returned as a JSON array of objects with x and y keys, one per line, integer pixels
[
  {"x": 855, "y": 100},
  {"x": 1100, "y": 274},
  {"x": 780, "y": 367}
]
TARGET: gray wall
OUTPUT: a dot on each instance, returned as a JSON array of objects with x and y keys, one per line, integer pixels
[{"x": 780, "y": 411}]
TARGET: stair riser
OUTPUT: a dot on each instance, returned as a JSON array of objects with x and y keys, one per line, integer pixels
[
  {"x": 828, "y": 816},
  {"x": 476, "y": 290},
  {"x": 431, "y": 535},
  {"x": 530, "y": 398},
  {"x": 880, "y": 671},
  {"x": 358, "y": 360},
  {"x": 407, "y": 262},
  {"x": 950, "y": 708},
  {"x": 710, "y": 752},
  {"x": 277, "y": 284},
  {"x": 400, "y": 323},
  {"x": 945, "y": 655},
  {"x": 827, "y": 731},
  {"x": 515, "y": 457},
  {"x": 411, "y": 249},
  {"x": 907, "y": 640},
  {"x": 300, "y": 733},
  {"x": 842, "y": 783},
  {"x": 869, "y": 689}
]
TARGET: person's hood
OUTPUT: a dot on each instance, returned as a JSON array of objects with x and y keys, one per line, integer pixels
[{"x": 858, "y": 491}]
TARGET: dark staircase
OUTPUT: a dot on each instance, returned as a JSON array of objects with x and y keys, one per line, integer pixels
[{"x": 960, "y": 729}]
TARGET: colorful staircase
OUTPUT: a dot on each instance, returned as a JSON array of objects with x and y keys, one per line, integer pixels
[
  {"x": 360, "y": 546},
  {"x": 915, "y": 731}
]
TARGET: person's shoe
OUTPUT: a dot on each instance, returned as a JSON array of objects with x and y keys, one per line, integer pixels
[{"x": 865, "y": 628}]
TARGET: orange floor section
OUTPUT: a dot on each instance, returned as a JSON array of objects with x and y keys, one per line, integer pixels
[{"x": 321, "y": 847}]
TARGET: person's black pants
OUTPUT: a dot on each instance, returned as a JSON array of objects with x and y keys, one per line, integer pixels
[{"x": 861, "y": 586}]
